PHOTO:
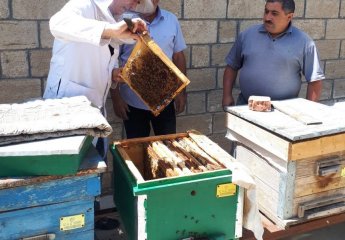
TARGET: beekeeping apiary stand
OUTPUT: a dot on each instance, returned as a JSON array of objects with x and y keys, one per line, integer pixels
[
  {"x": 296, "y": 154},
  {"x": 51, "y": 207},
  {"x": 273, "y": 232}
]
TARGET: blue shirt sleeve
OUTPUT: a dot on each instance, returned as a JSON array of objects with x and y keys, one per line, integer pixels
[
  {"x": 234, "y": 57},
  {"x": 311, "y": 65},
  {"x": 179, "y": 42}
]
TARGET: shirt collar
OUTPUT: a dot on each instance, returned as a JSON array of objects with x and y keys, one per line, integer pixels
[{"x": 159, "y": 16}]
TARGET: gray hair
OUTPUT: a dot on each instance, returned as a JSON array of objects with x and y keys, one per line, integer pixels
[{"x": 288, "y": 5}]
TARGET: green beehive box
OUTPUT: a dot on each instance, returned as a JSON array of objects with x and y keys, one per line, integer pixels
[
  {"x": 58, "y": 156},
  {"x": 185, "y": 207}
]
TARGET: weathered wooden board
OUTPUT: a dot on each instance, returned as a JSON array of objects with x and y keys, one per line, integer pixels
[
  {"x": 274, "y": 185},
  {"x": 274, "y": 232},
  {"x": 50, "y": 192},
  {"x": 296, "y": 113},
  {"x": 308, "y": 167},
  {"x": 322, "y": 195},
  {"x": 316, "y": 147},
  {"x": 288, "y": 127},
  {"x": 263, "y": 138},
  {"x": 284, "y": 148},
  {"x": 314, "y": 185},
  {"x": 280, "y": 192}
]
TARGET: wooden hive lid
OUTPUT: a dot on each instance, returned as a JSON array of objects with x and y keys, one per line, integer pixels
[
  {"x": 152, "y": 75},
  {"x": 287, "y": 120}
]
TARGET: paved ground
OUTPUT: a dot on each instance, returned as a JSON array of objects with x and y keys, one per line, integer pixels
[
  {"x": 336, "y": 232},
  {"x": 113, "y": 234}
]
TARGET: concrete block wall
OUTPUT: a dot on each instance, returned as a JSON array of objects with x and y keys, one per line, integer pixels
[{"x": 209, "y": 27}]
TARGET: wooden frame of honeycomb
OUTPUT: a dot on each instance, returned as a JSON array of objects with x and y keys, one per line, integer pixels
[{"x": 152, "y": 75}]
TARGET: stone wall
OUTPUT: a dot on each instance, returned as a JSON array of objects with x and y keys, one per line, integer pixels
[{"x": 210, "y": 28}]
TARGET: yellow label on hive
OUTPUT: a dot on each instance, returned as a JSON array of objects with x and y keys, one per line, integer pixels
[
  {"x": 72, "y": 222},
  {"x": 226, "y": 190},
  {"x": 343, "y": 172}
]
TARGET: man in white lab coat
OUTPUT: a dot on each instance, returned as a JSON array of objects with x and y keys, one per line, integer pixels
[
  {"x": 82, "y": 62},
  {"x": 87, "y": 37}
]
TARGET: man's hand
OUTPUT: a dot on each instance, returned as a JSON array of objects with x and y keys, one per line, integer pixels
[
  {"x": 121, "y": 30},
  {"x": 180, "y": 102},
  {"x": 228, "y": 100},
  {"x": 119, "y": 105},
  {"x": 116, "y": 75}
]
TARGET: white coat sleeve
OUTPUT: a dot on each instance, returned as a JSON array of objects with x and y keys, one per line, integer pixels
[{"x": 76, "y": 21}]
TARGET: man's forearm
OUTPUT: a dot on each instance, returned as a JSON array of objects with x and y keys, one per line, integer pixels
[
  {"x": 229, "y": 78},
  {"x": 180, "y": 61},
  {"x": 314, "y": 90}
]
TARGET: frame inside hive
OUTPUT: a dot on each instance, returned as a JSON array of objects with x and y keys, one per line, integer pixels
[{"x": 152, "y": 75}]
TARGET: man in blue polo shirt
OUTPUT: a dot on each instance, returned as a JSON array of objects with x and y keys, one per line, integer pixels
[
  {"x": 165, "y": 30},
  {"x": 271, "y": 58}
]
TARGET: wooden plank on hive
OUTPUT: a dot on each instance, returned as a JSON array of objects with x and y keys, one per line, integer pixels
[
  {"x": 308, "y": 167},
  {"x": 318, "y": 146},
  {"x": 260, "y": 167},
  {"x": 273, "y": 232},
  {"x": 263, "y": 138},
  {"x": 288, "y": 127},
  {"x": 308, "y": 198},
  {"x": 272, "y": 172},
  {"x": 272, "y": 193},
  {"x": 321, "y": 207},
  {"x": 267, "y": 199},
  {"x": 152, "y": 75},
  {"x": 296, "y": 113},
  {"x": 315, "y": 185}
]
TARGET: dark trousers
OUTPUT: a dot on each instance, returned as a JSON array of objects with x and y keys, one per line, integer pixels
[{"x": 139, "y": 122}]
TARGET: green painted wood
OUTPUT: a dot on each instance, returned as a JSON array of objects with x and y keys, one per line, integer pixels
[
  {"x": 124, "y": 197},
  {"x": 58, "y": 164},
  {"x": 175, "y": 208},
  {"x": 191, "y": 209},
  {"x": 144, "y": 187}
]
